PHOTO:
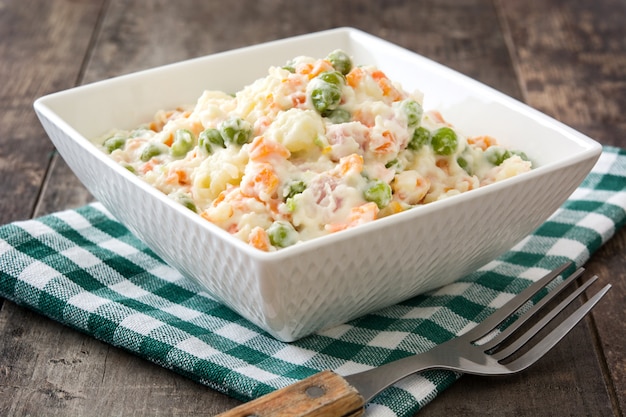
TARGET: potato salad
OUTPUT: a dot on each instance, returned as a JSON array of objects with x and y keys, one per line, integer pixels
[{"x": 315, "y": 147}]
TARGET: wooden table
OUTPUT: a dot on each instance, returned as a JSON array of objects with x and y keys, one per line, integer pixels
[{"x": 566, "y": 58}]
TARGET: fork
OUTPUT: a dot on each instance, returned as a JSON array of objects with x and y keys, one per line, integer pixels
[{"x": 483, "y": 350}]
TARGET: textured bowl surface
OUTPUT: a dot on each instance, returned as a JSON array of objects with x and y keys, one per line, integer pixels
[{"x": 332, "y": 279}]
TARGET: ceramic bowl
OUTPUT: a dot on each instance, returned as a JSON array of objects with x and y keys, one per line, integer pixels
[{"x": 329, "y": 280}]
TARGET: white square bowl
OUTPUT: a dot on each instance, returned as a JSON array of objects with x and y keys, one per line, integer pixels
[{"x": 329, "y": 280}]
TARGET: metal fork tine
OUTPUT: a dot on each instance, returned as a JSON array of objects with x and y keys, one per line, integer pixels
[
  {"x": 534, "y": 310},
  {"x": 521, "y": 341},
  {"x": 550, "y": 340},
  {"x": 491, "y": 322},
  {"x": 461, "y": 355}
]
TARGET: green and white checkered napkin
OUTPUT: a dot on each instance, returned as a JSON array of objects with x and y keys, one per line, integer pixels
[{"x": 84, "y": 269}]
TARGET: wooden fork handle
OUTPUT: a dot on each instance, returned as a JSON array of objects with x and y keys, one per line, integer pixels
[{"x": 323, "y": 394}]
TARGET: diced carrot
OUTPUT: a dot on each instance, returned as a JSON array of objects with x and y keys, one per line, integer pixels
[
  {"x": 259, "y": 239},
  {"x": 313, "y": 70},
  {"x": 364, "y": 213},
  {"x": 220, "y": 209},
  {"x": 262, "y": 149},
  {"x": 183, "y": 178},
  {"x": 268, "y": 178},
  {"x": 177, "y": 176},
  {"x": 443, "y": 164},
  {"x": 304, "y": 68},
  {"x": 379, "y": 76},
  {"x": 265, "y": 181},
  {"x": 386, "y": 85},
  {"x": 351, "y": 164},
  {"x": 169, "y": 140},
  {"x": 297, "y": 99},
  {"x": 321, "y": 66},
  {"x": 388, "y": 144},
  {"x": 482, "y": 142},
  {"x": 354, "y": 77}
]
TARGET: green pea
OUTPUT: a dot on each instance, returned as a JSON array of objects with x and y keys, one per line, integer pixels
[
  {"x": 236, "y": 131},
  {"x": 497, "y": 155},
  {"x": 293, "y": 188},
  {"x": 413, "y": 111},
  {"x": 149, "y": 151},
  {"x": 282, "y": 234},
  {"x": 421, "y": 137},
  {"x": 289, "y": 68},
  {"x": 130, "y": 168},
  {"x": 444, "y": 141},
  {"x": 378, "y": 192},
  {"x": 209, "y": 138},
  {"x": 521, "y": 154},
  {"x": 391, "y": 163},
  {"x": 183, "y": 142},
  {"x": 341, "y": 61},
  {"x": 114, "y": 142},
  {"x": 325, "y": 97},
  {"x": 338, "y": 116},
  {"x": 465, "y": 165},
  {"x": 187, "y": 201},
  {"x": 332, "y": 77},
  {"x": 290, "y": 204}
]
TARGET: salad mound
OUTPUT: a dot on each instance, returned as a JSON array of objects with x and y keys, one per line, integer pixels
[{"x": 315, "y": 147}]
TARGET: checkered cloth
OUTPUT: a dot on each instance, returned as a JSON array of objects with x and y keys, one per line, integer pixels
[{"x": 84, "y": 269}]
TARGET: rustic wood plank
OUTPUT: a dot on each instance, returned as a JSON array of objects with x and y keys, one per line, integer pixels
[
  {"x": 610, "y": 265},
  {"x": 465, "y": 35},
  {"x": 62, "y": 189},
  {"x": 49, "y": 369},
  {"x": 29, "y": 68},
  {"x": 46, "y": 45},
  {"x": 570, "y": 57}
]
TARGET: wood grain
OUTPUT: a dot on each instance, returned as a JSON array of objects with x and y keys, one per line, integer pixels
[
  {"x": 320, "y": 395},
  {"x": 49, "y": 369},
  {"x": 44, "y": 45},
  {"x": 565, "y": 58},
  {"x": 570, "y": 59}
]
